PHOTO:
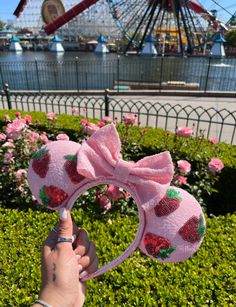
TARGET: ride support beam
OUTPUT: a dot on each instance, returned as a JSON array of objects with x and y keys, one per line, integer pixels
[{"x": 70, "y": 14}]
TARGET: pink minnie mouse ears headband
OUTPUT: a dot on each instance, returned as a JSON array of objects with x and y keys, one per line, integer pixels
[{"x": 171, "y": 222}]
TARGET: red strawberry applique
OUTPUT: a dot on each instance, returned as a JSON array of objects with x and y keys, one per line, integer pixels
[
  {"x": 193, "y": 230},
  {"x": 52, "y": 196},
  {"x": 41, "y": 160},
  {"x": 157, "y": 246},
  {"x": 169, "y": 203},
  {"x": 70, "y": 167}
]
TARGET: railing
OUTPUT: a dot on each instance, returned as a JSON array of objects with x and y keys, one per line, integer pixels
[
  {"x": 161, "y": 73},
  {"x": 214, "y": 122}
]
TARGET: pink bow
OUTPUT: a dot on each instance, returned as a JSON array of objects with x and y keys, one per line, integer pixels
[{"x": 100, "y": 157}]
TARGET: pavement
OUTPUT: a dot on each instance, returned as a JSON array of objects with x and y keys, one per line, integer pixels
[{"x": 213, "y": 113}]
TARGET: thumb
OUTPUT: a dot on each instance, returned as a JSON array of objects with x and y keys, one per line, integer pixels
[{"x": 65, "y": 224}]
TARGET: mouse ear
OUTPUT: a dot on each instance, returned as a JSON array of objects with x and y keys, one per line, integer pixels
[
  {"x": 174, "y": 228},
  {"x": 52, "y": 174}
]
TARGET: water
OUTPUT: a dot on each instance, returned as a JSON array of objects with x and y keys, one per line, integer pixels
[{"x": 61, "y": 71}]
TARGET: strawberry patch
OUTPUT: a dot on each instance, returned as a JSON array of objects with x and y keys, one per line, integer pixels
[
  {"x": 168, "y": 204},
  {"x": 157, "y": 246},
  {"x": 70, "y": 167},
  {"x": 41, "y": 160},
  {"x": 52, "y": 196},
  {"x": 193, "y": 230}
]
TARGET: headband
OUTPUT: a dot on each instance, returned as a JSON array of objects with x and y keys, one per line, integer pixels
[{"x": 171, "y": 221}]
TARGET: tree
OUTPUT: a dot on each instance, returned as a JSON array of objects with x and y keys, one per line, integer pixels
[
  {"x": 2, "y": 24},
  {"x": 230, "y": 38}
]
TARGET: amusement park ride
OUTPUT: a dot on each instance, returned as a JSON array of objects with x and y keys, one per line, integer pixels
[{"x": 185, "y": 26}]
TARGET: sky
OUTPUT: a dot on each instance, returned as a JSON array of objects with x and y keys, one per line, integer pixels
[{"x": 7, "y": 8}]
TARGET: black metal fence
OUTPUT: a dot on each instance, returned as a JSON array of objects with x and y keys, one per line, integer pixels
[
  {"x": 215, "y": 123},
  {"x": 161, "y": 73}
]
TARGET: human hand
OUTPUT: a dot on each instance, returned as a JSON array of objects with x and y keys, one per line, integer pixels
[{"x": 63, "y": 264}]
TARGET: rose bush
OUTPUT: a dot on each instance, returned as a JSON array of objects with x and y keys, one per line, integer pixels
[{"x": 20, "y": 139}]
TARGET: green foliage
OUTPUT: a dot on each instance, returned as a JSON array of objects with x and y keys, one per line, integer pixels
[
  {"x": 2, "y": 24},
  {"x": 230, "y": 38},
  {"x": 203, "y": 280}
]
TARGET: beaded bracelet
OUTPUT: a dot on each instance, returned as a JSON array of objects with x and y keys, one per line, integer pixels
[{"x": 44, "y": 304}]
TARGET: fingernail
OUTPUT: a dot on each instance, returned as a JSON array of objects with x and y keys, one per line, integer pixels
[
  {"x": 83, "y": 274},
  {"x": 63, "y": 214},
  {"x": 73, "y": 238},
  {"x": 78, "y": 257},
  {"x": 80, "y": 268}
]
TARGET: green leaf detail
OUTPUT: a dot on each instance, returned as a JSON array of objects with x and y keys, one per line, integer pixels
[
  {"x": 70, "y": 157},
  {"x": 165, "y": 253},
  {"x": 172, "y": 193},
  {"x": 40, "y": 153},
  {"x": 43, "y": 196},
  {"x": 201, "y": 227}
]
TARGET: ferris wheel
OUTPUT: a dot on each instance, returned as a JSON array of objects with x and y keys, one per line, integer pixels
[{"x": 182, "y": 25}]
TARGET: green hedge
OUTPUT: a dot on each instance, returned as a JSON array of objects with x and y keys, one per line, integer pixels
[{"x": 206, "y": 279}]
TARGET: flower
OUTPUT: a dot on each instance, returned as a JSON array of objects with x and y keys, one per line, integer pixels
[
  {"x": 7, "y": 118},
  {"x": 213, "y": 140},
  {"x": 62, "y": 137},
  {"x": 74, "y": 110},
  {"x": 3, "y": 137},
  {"x": 103, "y": 201},
  {"x": 28, "y": 119},
  {"x": 43, "y": 137},
  {"x": 18, "y": 114},
  {"x": 101, "y": 124},
  {"x": 215, "y": 165},
  {"x": 33, "y": 137},
  {"x": 51, "y": 116},
  {"x": 113, "y": 192},
  {"x": 9, "y": 144},
  {"x": 130, "y": 119},
  {"x": 107, "y": 119},
  {"x": 15, "y": 129},
  {"x": 8, "y": 157},
  {"x": 180, "y": 180},
  {"x": 184, "y": 166},
  {"x": 184, "y": 131},
  {"x": 21, "y": 173},
  {"x": 88, "y": 127}
]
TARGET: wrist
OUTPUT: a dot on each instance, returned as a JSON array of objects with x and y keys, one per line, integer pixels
[{"x": 51, "y": 296}]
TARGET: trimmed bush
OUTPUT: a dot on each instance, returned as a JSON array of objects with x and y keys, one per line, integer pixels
[{"x": 206, "y": 279}]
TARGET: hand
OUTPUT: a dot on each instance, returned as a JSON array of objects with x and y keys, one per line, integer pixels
[{"x": 63, "y": 264}]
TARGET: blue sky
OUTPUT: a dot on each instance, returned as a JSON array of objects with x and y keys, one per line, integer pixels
[{"x": 7, "y": 8}]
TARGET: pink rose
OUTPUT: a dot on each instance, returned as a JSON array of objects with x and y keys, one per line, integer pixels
[
  {"x": 103, "y": 201},
  {"x": 213, "y": 140},
  {"x": 28, "y": 119},
  {"x": 62, "y": 137},
  {"x": 51, "y": 116},
  {"x": 7, "y": 118},
  {"x": 184, "y": 166},
  {"x": 21, "y": 173},
  {"x": 130, "y": 119},
  {"x": 18, "y": 114},
  {"x": 107, "y": 119},
  {"x": 180, "y": 180},
  {"x": 101, "y": 124},
  {"x": 2, "y": 137},
  {"x": 44, "y": 137},
  {"x": 9, "y": 144},
  {"x": 8, "y": 157},
  {"x": 184, "y": 131},
  {"x": 74, "y": 110},
  {"x": 215, "y": 165},
  {"x": 33, "y": 137},
  {"x": 113, "y": 192},
  {"x": 15, "y": 129},
  {"x": 88, "y": 127}
]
